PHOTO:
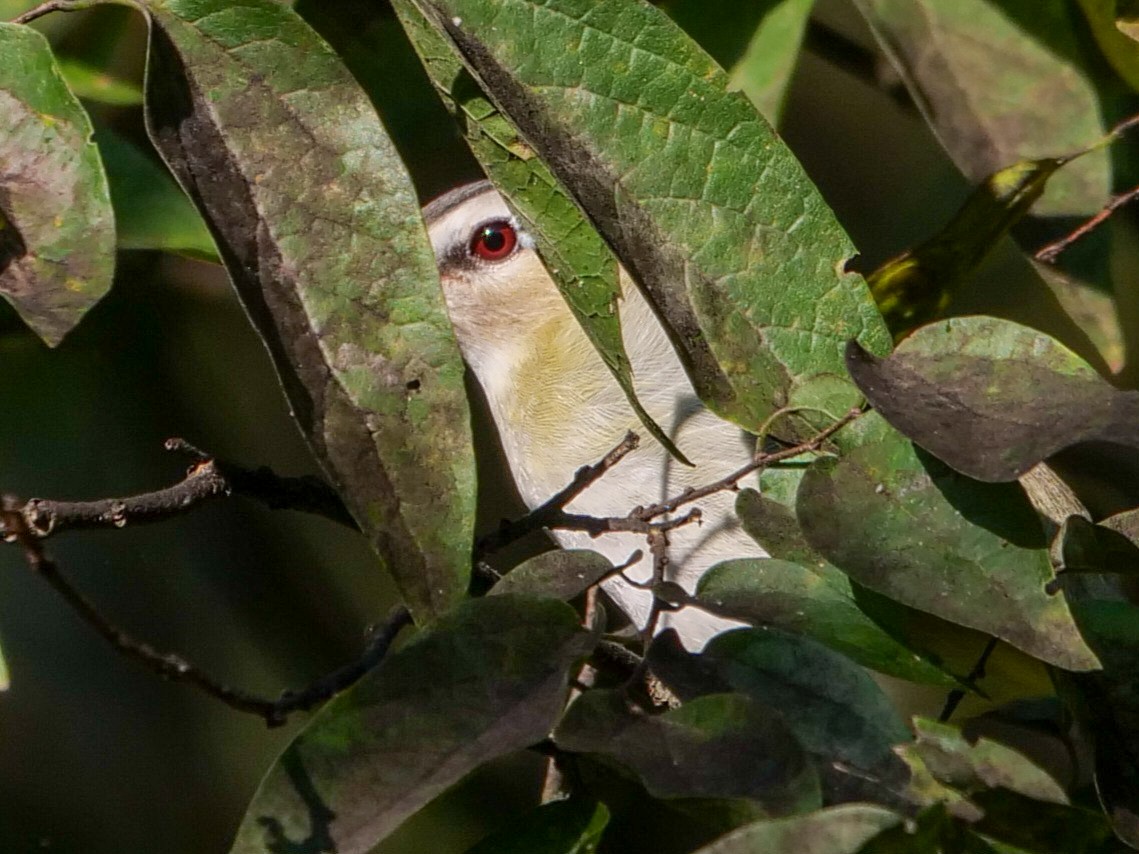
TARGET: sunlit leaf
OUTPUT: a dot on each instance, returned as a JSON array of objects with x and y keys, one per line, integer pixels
[
  {"x": 992, "y": 398},
  {"x": 316, "y": 220},
  {"x": 572, "y": 826},
  {"x": 701, "y": 201},
  {"x": 485, "y": 680},
  {"x": 837, "y": 830},
  {"x": 57, "y": 228},
  {"x": 906, "y": 525},
  {"x": 579, "y": 262},
  {"x": 717, "y": 746}
]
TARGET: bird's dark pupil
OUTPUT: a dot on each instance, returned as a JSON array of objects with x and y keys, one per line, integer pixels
[{"x": 493, "y": 239}]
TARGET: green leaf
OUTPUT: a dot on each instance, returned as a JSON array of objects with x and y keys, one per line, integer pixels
[
  {"x": 816, "y": 601},
  {"x": 151, "y": 210},
  {"x": 836, "y": 830},
  {"x": 57, "y": 228},
  {"x": 917, "y": 286},
  {"x": 705, "y": 207},
  {"x": 577, "y": 259},
  {"x": 717, "y": 746},
  {"x": 986, "y": 113},
  {"x": 316, "y": 220},
  {"x": 836, "y": 710},
  {"x": 95, "y": 84},
  {"x": 1097, "y": 549},
  {"x": 905, "y": 525},
  {"x": 558, "y": 574},
  {"x": 1106, "y": 705},
  {"x": 485, "y": 680},
  {"x": 5, "y": 680},
  {"x": 941, "y": 751},
  {"x": 757, "y": 42},
  {"x": 992, "y": 398},
  {"x": 1115, "y": 24},
  {"x": 572, "y": 826}
]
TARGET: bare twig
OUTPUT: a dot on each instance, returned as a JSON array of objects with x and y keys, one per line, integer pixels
[
  {"x": 543, "y": 516},
  {"x": 206, "y": 479},
  {"x": 1048, "y": 254},
  {"x": 176, "y": 668},
  {"x": 53, "y": 6},
  {"x": 953, "y": 698},
  {"x": 761, "y": 461}
]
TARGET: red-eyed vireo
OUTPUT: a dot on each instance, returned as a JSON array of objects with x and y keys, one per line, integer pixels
[{"x": 557, "y": 407}]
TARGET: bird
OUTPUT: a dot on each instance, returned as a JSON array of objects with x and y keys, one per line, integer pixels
[{"x": 557, "y": 407}]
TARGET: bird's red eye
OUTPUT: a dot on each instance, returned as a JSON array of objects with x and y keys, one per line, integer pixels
[{"x": 494, "y": 241}]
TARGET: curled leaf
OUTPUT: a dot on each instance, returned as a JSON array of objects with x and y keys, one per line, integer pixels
[
  {"x": 57, "y": 228},
  {"x": 318, "y": 225},
  {"x": 992, "y": 398}
]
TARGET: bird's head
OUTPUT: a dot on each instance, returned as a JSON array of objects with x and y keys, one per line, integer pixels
[{"x": 498, "y": 293}]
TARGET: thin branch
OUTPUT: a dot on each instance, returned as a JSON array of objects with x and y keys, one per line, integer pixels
[
  {"x": 206, "y": 479},
  {"x": 1048, "y": 254},
  {"x": 953, "y": 698},
  {"x": 731, "y": 481},
  {"x": 542, "y": 516},
  {"x": 174, "y": 667},
  {"x": 53, "y": 6}
]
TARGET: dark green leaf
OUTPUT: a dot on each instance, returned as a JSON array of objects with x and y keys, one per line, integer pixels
[
  {"x": 992, "y": 398},
  {"x": 557, "y": 574},
  {"x": 487, "y": 679},
  {"x": 1106, "y": 705},
  {"x": 838, "y": 713},
  {"x": 917, "y": 286},
  {"x": 987, "y": 113},
  {"x": 1085, "y": 547},
  {"x": 907, "y": 526},
  {"x": 837, "y": 830},
  {"x": 1014, "y": 820},
  {"x": 579, "y": 262},
  {"x": 151, "y": 210},
  {"x": 563, "y": 827},
  {"x": 318, "y": 225},
  {"x": 816, "y": 601},
  {"x": 804, "y": 593},
  {"x": 703, "y": 204},
  {"x": 717, "y": 746},
  {"x": 57, "y": 228}
]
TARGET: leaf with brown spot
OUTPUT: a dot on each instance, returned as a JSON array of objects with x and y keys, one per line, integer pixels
[
  {"x": 909, "y": 527},
  {"x": 992, "y": 398},
  {"x": 57, "y": 228},
  {"x": 318, "y": 225}
]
